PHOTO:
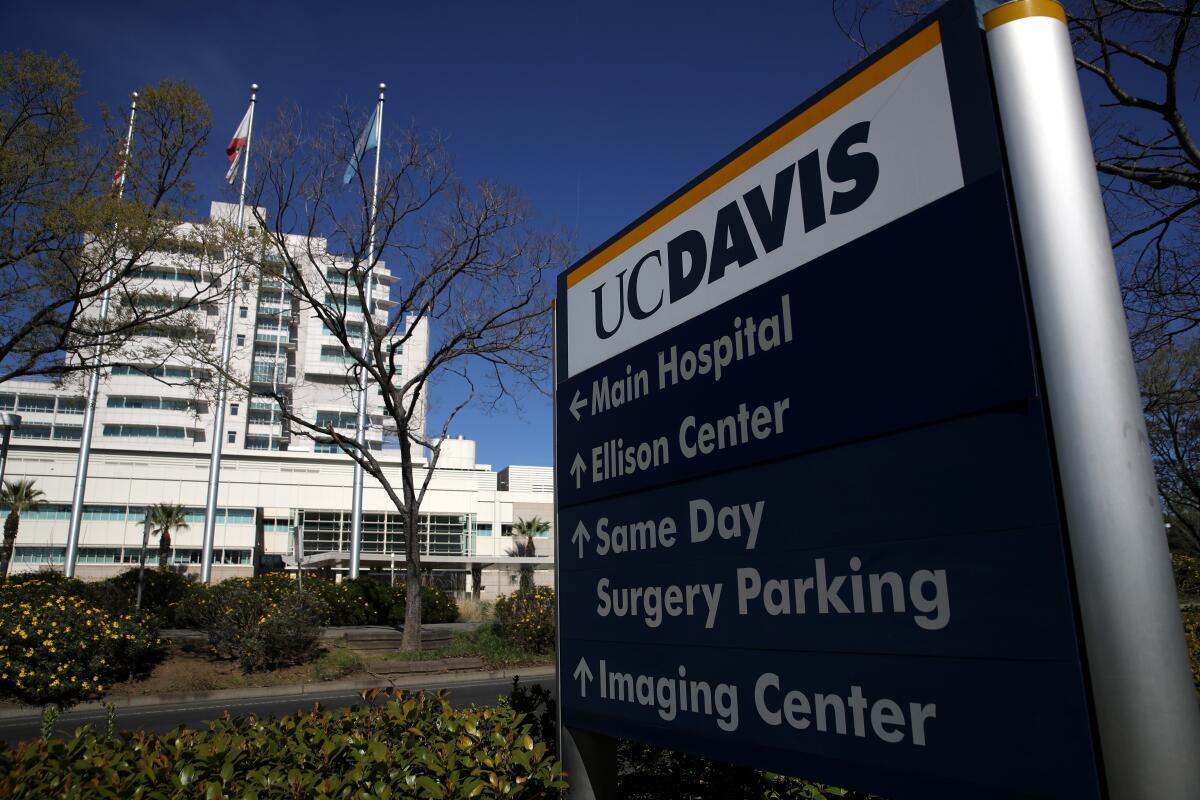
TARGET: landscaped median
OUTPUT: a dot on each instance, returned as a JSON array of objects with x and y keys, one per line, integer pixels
[{"x": 63, "y": 642}]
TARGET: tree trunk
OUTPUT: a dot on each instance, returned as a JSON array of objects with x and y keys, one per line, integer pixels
[
  {"x": 164, "y": 550},
  {"x": 10, "y": 539},
  {"x": 412, "y": 584}
]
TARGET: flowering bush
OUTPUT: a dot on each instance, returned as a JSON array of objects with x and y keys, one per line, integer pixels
[
  {"x": 344, "y": 602},
  {"x": 1187, "y": 573},
  {"x": 262, "y": 624},
  {"x": 165, "y": 593},
  {"x": 526, "y": 618},
  {"x": 436, "y": 605},
  {"x": 1191, "y": 632},
  {"x": 57, "y": 647}
]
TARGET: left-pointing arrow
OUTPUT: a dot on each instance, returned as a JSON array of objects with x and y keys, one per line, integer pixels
[
  {"x": 584, "y": 674},
  {"x": 577, "y": 403}
]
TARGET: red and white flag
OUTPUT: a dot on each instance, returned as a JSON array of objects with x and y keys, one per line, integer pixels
[{"x": 237, "y": 144}]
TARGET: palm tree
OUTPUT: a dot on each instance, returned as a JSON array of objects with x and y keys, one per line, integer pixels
[
  {"x": 19, "y": 496},
  {"x": 165, "y": 518},
  {"x": 527, "y": 528}
]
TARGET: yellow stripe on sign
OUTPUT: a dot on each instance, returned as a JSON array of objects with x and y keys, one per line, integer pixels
[
  {"x": 920, "y": 44},
  {"x": 1020, "y": 9}
]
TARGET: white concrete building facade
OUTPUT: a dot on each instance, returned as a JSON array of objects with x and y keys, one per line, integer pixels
[{"x": 154, "y": 428}]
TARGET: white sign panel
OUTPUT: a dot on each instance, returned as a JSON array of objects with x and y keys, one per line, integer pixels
[{"x": 850, "y": 164}]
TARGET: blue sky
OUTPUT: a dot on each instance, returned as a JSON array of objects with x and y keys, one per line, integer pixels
[{"x": 595, "y": 111}]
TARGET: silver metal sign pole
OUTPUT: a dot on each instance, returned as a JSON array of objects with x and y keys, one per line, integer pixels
[{"x": 1145, "y": 703}]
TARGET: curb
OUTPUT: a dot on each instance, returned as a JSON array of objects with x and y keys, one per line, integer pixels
[{"x": 416, "y": 681}]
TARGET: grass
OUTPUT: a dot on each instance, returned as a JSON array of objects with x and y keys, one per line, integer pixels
[
  {"x": 334, "y": 663},
  {"x": 497, "y": 653},
  {"x": 472, "y": 610}
]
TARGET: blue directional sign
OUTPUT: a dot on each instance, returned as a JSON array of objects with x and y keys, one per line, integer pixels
[{"x": 808, "y": 515}]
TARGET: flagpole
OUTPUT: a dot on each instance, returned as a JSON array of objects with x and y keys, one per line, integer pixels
[
  {"x": 214, "y": 462},
  {"x": 89, "y": 411},
  {"x": 360, "y": 433}
]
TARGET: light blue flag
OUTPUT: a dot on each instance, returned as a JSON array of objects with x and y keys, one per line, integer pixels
[{"x": 366, "y": 141}]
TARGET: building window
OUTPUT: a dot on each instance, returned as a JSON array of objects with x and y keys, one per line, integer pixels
[
  {"x": 166, "y": 403},
  {"x": 99, "y": 555},
  {"x": 326, "y": 447},
  {"x": 233, "y": 409},
  {"x": 39, "y": 555},
  {"x": 32, "y": 432},
  {"x": 235, "y": 557},
  {"x": 243, "y": 312},
  {"x": 333, "y": 352},
  {"x": 35, "y": 404},
  {"x": 70, "y": 433},
  {"x": 232, "y": 437},
  {"x": 71, "y": 405},
  {"x": 145, "y": 432},
  {"x": 186, "y": 555},
  {"x": 46, "y": 511},
  {"x": 337, "y": 419}
]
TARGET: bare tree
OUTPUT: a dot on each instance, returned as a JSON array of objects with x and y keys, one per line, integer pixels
[
  {"x": 1170, "y": 378},
  {"x": 463, "y": 264},
  {"x": 66, "y": 240},
  {"x": 1137, "y": 64},
  {"x": 1137, "y": 61},
  {"x": 1141, "y": 55}
]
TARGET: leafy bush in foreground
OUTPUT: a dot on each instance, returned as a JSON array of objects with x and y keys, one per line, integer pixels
[
  {"x": 399, "y": 745},
  {"x": 646, "y": 772}
]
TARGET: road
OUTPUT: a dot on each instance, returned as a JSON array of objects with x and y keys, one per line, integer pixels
[{"x": 160, "y": 719}]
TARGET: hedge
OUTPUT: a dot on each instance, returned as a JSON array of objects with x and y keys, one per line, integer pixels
[{"x": 396, "y": 745}]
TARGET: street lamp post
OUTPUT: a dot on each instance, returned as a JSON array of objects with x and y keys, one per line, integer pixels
[{"x": 8, "y": 424}]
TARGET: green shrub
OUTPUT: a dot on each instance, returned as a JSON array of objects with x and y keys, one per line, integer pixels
[
  {"x": 60, "y": 648},
  {"x": 264, "y": 625},
  {"x": 344, "y": 602},
  {"x": 436, "y": 605},
  {"x": 399, "y": 745},
  {"x": 380, "y": 598},
  {"x": 336, "y": 663},
  {"x": 1191, "y": 631},
  {"x": 165, "y": 593},
  {"x": 1187, "y": 573},
  {"x": 44, "y": 583},
  {"x": 537, "y": 705},
  {"x": 526, "y": 617}
]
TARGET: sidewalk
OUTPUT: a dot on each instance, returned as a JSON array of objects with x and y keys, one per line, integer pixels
[{"x": 318, "y": 688}]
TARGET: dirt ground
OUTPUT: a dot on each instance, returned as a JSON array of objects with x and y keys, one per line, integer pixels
[{"x": 188, "y": 672}]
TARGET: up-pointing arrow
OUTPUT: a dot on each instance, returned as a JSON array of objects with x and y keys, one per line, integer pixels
[
  {"x": 578, "y": 467},
  {"x": 584, "y": 674},
  {"x": 580, "y": 536},
  {"x": 577, "y": 403}
]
